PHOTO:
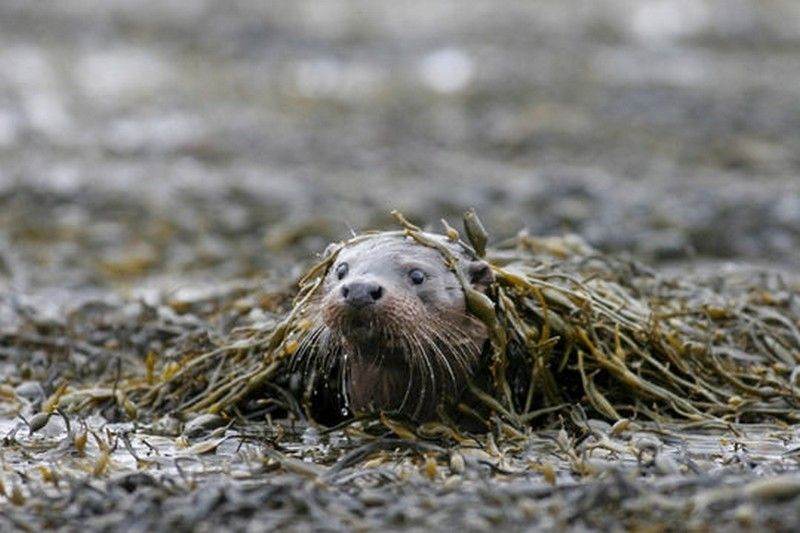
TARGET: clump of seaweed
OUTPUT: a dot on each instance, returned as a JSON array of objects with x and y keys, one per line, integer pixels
[{"x": 567, "y": 324}]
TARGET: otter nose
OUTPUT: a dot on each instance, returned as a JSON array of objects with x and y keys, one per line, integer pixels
[{"x": 361, "y": 293}]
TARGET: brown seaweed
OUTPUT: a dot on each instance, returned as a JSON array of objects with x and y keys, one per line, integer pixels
[{"x": 567, "y": 325}]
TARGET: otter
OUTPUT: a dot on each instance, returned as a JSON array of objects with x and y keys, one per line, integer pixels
[{"x": 391, "y": 327}]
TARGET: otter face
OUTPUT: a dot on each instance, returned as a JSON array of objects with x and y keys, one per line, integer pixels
[
  {"x": 378, "y": 288},
  {"x": 393, "y": 316}
]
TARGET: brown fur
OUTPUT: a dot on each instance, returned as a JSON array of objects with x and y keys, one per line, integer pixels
[{"x": 411, "y": 350}]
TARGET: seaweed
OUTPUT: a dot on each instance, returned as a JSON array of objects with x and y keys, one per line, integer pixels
[{"x": 567, "y": 324}]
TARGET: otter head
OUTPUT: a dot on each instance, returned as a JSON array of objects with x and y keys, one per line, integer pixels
[{"x": 393, "y": 316}]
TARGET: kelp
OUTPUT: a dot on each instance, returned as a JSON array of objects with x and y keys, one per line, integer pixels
[{"x": 567, "y": 324}]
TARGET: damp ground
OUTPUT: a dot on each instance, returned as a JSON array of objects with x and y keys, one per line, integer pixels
[{"x": 169, "y": 169}]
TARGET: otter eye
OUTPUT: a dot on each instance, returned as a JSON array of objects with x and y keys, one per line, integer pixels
[
  {"x": 341, "y": 270},
  {"x": 416, "y": 276}
]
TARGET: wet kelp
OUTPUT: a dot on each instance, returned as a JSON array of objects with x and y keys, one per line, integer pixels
[{"x": 567, "y": 325}]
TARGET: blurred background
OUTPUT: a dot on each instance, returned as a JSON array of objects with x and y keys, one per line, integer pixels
[{"x": 148, "y": 144}]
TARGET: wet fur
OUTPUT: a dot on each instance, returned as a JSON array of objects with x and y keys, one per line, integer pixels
[{"x": 410, "y": 356}]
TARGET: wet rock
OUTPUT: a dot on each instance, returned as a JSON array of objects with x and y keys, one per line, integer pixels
[
  {"x": 202, "y": 424},
  {"x": 30, "y": 390}
]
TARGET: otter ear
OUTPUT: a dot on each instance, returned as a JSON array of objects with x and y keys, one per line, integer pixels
[{"x": 480, "y": 274}]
